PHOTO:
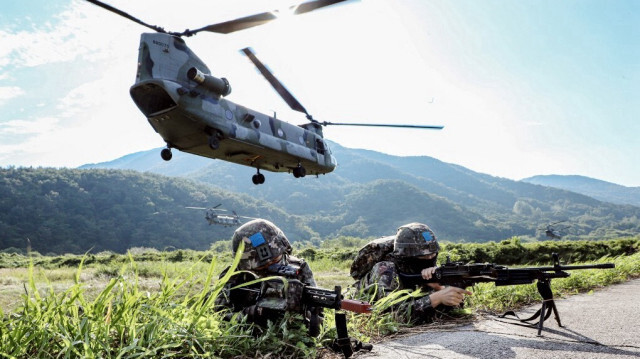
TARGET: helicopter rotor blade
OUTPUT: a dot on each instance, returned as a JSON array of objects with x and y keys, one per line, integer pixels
[
  {"x": 126, "y": 15},
  {"x": 262, "y": 18},
  {"x": 293, "y": 103},
  {"x": 228, "y": 26},
  {"x": 325, "y": 123},
  {"x": 195, "y": 207}
]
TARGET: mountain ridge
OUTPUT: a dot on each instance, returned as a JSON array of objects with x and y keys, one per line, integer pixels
[
  {"x": 504, "y": 207},
  {"x": 598, "y": 189}
]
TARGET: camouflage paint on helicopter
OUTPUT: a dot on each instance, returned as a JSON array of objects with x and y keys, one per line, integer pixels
[
  {"x": 184, "y": 103},
  {"x": 192, "y": 115}
]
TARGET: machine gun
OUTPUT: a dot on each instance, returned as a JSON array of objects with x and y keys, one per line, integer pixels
[{"x": 462, "y": 275}]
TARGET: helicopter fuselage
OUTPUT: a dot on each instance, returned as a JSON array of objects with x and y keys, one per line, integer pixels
[
  {"x": 185, "y": 105},
  {"x": 223, "y": 220}
]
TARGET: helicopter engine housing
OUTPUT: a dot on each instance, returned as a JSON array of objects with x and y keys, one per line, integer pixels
[{"x": 220, "y": 86}]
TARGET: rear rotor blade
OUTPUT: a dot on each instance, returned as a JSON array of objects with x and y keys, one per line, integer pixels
[
  {"x": 325, "y": 123},
  {"x": 277, "y": 85},
  {"x": 262, "y": 18}
]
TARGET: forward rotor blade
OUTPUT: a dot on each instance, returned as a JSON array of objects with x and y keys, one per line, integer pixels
[
  {"x": 195, "y": 207},
  {"x": 325, "y": 123},
  {"x": 277, "y": 85},
  {"x": 124, "y": 14},
  {"x": 262, "y": 18}
]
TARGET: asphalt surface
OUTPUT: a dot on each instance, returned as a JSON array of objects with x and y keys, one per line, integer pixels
[{"x": 603, "y": 325}]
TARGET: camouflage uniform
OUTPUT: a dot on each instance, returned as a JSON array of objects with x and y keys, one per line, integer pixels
[
  {"x": 389, "y": 255},
  {"x": 265, "y": 245}
]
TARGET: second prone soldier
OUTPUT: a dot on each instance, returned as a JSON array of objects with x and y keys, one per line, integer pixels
[{"x": 414, "y": 249}]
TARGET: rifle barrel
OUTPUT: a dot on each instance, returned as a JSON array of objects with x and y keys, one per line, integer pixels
[{"x": 561, "y": 268}]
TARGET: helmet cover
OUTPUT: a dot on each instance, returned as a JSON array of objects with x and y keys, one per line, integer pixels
[
  {"x": 415, "y": 240},
  {"x": 264, "y": 242}
]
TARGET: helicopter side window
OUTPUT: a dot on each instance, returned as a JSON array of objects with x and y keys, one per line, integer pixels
[{"x": 320, "y": 147}]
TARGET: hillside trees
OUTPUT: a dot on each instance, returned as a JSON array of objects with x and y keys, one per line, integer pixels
[{"x": 65, "y": 210}]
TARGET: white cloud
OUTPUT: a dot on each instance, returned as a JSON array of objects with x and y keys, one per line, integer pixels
[
  {"x": 24, "y": 127},
  {"x": 9, "y": 92}
]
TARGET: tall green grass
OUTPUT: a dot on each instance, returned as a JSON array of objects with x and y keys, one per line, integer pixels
[
  {"x": 126, "y": 319},
  {"x": 178, "y": 320}
]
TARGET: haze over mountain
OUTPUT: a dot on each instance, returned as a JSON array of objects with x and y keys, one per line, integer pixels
[{"x": 598, "y": 189}]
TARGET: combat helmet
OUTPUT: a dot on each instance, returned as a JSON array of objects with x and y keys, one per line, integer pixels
[
  {"x": 415, "y": 240},
  {"x": 263, "y": 243}
]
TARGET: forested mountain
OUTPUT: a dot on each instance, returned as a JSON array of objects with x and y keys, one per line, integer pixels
[
  {"x": 371, "y": 193},
  {"x": 111, "y": 207},
  {"x": 71, "y": 210},
  {"x": 602, "y": 190}
]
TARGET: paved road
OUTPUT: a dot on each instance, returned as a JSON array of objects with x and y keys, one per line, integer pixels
[{"x": 602, "y": 325}]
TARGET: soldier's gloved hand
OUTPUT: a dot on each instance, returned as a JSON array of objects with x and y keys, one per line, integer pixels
[
  {"x": 450, "y": 296},
  {"x": 427, "y": 273}
]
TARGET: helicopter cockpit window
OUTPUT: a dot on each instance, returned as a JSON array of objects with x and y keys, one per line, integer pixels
[{"x": 320, "y": 148}]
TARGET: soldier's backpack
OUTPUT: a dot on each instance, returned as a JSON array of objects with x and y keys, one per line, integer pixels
[{"x": 372, "y": 253}]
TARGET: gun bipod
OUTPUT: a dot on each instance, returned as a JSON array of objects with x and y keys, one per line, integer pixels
[{"x": 548, "y": 305}]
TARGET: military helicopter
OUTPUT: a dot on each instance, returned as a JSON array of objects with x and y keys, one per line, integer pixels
[
  {"x": 214, "y": 217},
  {"x": 185, "y": 104},
  {"x": 554, "y": 233}
]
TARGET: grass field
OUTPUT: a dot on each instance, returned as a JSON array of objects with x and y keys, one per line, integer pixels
[{"x": 155, "y": 304}]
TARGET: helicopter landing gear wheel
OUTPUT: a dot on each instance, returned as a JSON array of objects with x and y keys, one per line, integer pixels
[
  {"x": 214, "y": 142},
  {"x": 299, "y": 172},
  {"x": 166, "y": 154},
  {"x": 258, "y": 178}
]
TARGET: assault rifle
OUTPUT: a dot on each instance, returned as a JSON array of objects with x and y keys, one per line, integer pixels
[
  {"x": 462, "y": 275},
  {"x": 274, "y": 296},
  {"x": 320, "y": 297}
]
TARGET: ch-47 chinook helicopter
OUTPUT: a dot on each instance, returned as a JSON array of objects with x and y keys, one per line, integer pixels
[
  {"x": 213, "y": 216},
  {"x": 185, "y": 104},
  {"x": 554, "y": 233}
]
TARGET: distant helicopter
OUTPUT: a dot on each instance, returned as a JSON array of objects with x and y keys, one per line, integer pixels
[
  {"x": 554, "y": 233},
  {"x": 184, "y": 103},
  {"x": 214, "y": 217}
]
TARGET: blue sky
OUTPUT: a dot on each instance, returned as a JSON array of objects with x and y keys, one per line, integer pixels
[{"x": 522, "y": 87}]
